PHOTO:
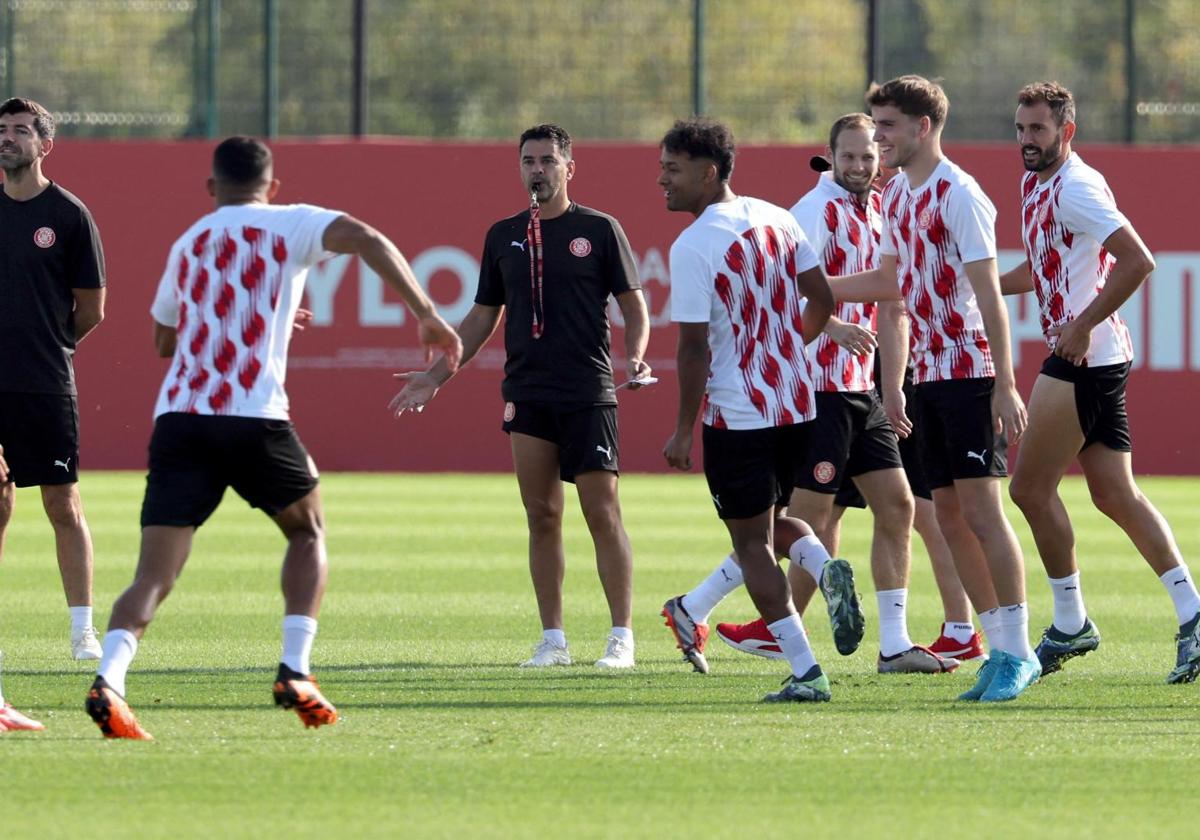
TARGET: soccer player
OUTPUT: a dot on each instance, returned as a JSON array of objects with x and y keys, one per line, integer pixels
[
  {"x": 851, "y": 437},
  {"x": 1084, "y": 259},
  {"x": 747, "y": 293},
  {"x": 51, "y": 297},
  {"x": 938, "y": 251},
  {"x": 223, "y": 313},
  {"x": 552, "y": 268}
]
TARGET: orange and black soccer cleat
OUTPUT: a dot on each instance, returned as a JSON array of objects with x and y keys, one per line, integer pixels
[
  {"x": 112, "y": 714},
  {"x": 294, "y": 690}
]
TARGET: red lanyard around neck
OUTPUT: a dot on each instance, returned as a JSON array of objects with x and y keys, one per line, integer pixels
[{"x": 534, "y": 234}]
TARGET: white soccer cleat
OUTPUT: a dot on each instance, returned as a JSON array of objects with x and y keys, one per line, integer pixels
[
  {"x": 13, "y": 721},
  {"x": 86, "y": 645},
  {"x": 618, "y": 654},
  {"x": 547, "y": 654}
]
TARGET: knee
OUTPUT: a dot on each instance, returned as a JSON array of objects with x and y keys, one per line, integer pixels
[
  {"x": 1116, "y": 502},
  {"x": 64, "y": 510},
  {"x": 1028, "y": 495},
  {"x": 543, "y": 516},
  {"x": 895, "y": 515}
]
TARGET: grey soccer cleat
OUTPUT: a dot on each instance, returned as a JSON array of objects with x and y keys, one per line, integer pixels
[{"x": 845, "y": 614}]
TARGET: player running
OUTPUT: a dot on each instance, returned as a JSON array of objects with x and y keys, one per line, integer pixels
[
  {"x": 1084, "y": 259},
  {"x": 224, "y": 313}
]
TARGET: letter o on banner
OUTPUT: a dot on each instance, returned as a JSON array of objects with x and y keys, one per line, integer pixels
[{"x": 457, "y": 262}]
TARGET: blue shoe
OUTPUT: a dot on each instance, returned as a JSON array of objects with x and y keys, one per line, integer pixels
[
  {"x": 1187, "y": 658},
  {"x": 1056, "y": 647},
  {"x": 1013, "y": 675},
  {"x": 984, "y": 676}
]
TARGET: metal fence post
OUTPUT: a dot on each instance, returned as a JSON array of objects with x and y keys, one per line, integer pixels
[
  {"x": 874, "y": 43},
  {"x": 358, "y": 118},
  {"x": 699, "y": 105},
  {"x": 270, "y": 68},
  {"x": 1130, "y": 72},
  {"x": 10, "y": 25},
  {"x": 211, "y": 115}
]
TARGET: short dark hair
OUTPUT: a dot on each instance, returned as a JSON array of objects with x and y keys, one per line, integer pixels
[
  {"x": 701, "y": 137},
  {"x": 241, "y": 160},
  {"x": 849, "y": 121},
  {"x": 548, "y": 131},
  {"x": 1060, "y": 100},
  {"x": 43, "y": 121},
  {"x": 915, "y": 96}
]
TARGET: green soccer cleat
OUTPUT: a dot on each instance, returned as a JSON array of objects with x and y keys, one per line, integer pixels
[
  {"x": 1187, "y": 659},
  {"x": 845, "y": 615},
  {"x": 1056, "y": 647},
  {"x": 984, "y": 675},
  {"x": 813, "y": 687}
]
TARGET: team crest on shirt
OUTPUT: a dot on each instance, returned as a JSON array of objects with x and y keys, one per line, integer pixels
[
  {"x": 925, "y": 219},
  {"x": 44, "y": 237},
  {"x": 580, "y": 247},
  {"x": 1043, "y": 214},
  {"x": 510, "y": 411},
  {"x": 824, "y": 472}
]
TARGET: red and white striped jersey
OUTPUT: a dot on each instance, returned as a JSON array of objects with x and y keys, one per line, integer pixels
[
  {"x": 845, "y": 234},
  {"x": 231, "y": 289},
  {"x": 933, "y": 231},
  {"x": 734, "y": 268},
  {"x": 1064, "y": 223}
]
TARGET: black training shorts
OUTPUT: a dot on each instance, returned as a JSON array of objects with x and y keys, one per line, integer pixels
[
  {"x": 194, "y": 457},
  {"x": 851, "y": 436},
  {"x": 750, "y": 471},
  {"x": 958, "y": 439},
  {"x": 586, "y": 435},
  {"x": 1099, "y": 400},
  {"x": 40, "y": 436}
]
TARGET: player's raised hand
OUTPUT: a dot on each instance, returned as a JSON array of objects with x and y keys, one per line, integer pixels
[
  {"x": 857, "y": 339},
  {"x": 1008, "y": 412},
  {"x": 419, "y": 388},
  {"x": 678, "y": 451},
  {"x": 434, "y": 333},
  {"x": 1074, "y": 341},
  {"x": 895, "y": 406}
]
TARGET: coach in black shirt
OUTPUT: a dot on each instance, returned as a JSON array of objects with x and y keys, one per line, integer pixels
[
  {"x": 51, "y": 296},
  {"x": 553, "y": 268}
]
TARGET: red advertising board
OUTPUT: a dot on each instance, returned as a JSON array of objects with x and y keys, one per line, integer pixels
[{"x": 436, "y": 200}]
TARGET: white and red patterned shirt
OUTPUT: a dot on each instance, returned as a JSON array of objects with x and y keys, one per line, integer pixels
[
  {"x": 845, "y": 233},
  {"x": 1064, "y": 223},
  {"x": 933, "y": 231},
  {"x": 231, "y": 288},
  {"x": 735, "y": 269}
]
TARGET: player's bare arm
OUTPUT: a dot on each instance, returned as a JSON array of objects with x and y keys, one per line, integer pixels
[
  {"x": 868, "y": 286},
  {"x": 1017, "y": 281},
  {"x": 637, "y": 334},
  {"x": 818, "y": 302},
  {"x": 347, "y": 235},
  {"x": 164, "y": 340},
  {"x": 89, "y": 310},
  {"x": 1134, "y": 264},
  {"x": 421, "y": 386},
  {"x": 892, "y": 321},
  {"x": 1008, "y": 410},
  {"x": 853, "y": 337},
  {"x": 691, "y": 362}
]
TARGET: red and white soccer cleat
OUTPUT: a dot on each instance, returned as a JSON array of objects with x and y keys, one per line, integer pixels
[
  {"x": 13, "y": 721},
  {"x": 951, "y": 648},
  {"x": 753, "y": 638}
]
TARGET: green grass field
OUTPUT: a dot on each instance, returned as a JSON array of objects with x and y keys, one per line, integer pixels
[{"x": 429, "y": 607}]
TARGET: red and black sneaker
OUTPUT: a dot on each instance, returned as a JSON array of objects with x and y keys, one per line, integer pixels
[{"x": 753, "y": 638}]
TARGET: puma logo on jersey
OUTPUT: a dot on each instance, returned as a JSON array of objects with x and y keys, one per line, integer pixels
[
  {"x": 66, "y": 465},
  {"x": 978, "y": 455},
  {"x": 607, "y": 450},
  {"x": 520, "y": 244}
]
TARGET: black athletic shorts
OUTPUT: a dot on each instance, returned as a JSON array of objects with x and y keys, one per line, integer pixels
[
  {"x": 194, "y": 457},
  {"x": 586, "y": 435},
  {"x": 1099, "y": 400},
  {"x": 957, "y": 437},
  {"x": 910, "y": 456},
  {"x": 40, "y": 436},
  {"x": 750, "y": 471},
  {"x": 851, "y": 436}
]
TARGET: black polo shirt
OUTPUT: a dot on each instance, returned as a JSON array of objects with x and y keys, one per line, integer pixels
[
  {"x": 585, "y": 258},
  {"x": 49, "y": 245}
]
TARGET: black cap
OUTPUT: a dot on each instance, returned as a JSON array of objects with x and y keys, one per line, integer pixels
[{"x": 819, "y": 164}]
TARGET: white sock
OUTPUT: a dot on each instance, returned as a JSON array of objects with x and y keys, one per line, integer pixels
[
  {"x": 1069, "y": 612},
  {"x": 893, "y": 623},
  {"x": 81, "y": 619},
  {"x": 120, "y": 646},
  {"x": 298, "y": 634},
  {"x": 1014, "y": 630},
  {"x": 556, "y": 637},
  {"x": 810, "y": 555},
  {"x": 989, "y": 623},
  {"x": 702, "y": 600},
  {"x": 959, "y": 631},
  {"x": 793, "y": 641},
  {"x": 1182, "y": 590},
  {"x": 625, "y": 634}
]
